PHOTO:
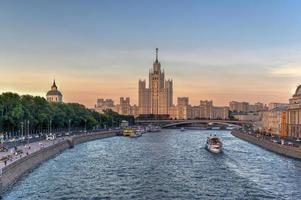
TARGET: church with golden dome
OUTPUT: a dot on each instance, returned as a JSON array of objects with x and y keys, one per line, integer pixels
[{"x": 54, "y": 95}]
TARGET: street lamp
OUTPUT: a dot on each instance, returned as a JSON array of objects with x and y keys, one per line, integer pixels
[
  {"x": 50, "y": 121},
  {"x": 85, "y": 125},
  {"x": 22, "y": 129},
  {"x": 69, "y": 125},
  {"x": 27, "y": 131}
]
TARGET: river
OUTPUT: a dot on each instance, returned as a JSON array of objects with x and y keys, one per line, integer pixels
[{"x": 166, "y": 165}]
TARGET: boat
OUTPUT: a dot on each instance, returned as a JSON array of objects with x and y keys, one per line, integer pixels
[
  {"x": 182, "y": 129},
  {"x": 140, "y": 130},
  {"x": 214, "y": 144},
  {"x": 155, "y": 129},
  {"x": 128, "y": 131},
  {"x": 135, "y": 134}
]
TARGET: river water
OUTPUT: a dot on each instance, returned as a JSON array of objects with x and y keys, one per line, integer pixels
[{"x": 166, "y": 165}]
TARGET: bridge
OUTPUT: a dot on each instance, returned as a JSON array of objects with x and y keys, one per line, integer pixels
[{"x": 193, "y": 123}]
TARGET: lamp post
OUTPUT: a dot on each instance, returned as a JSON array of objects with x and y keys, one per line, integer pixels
[
  {"x": 50, "y": 121},
  {"x": 85, "y": 125},
  {"x": 27, "y": 131},
  {"x": 22, "y": 129},
  {"x": 69, "y": 125}
]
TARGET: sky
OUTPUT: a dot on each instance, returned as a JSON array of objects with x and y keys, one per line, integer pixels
[{"x": 220, "y": 50}]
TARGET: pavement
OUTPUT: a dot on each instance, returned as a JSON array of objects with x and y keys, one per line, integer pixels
[
  {"x": 36, "y": 146},
  {"x": 27, "y": 149},
  {"x": 270, "y": 138}
]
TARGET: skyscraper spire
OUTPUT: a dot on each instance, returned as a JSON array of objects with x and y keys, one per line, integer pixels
[{"x": 157, "y": 54}]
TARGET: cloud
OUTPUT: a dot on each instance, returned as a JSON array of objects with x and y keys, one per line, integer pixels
[{"x": 287, "y": 70}]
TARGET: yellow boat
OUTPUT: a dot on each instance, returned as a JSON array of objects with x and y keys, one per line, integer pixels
[{"x": 128, "y": 132}]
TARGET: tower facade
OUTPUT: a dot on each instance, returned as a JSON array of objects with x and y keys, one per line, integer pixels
[
  {"x": 158, "y": 97},
  {"x": 143, "y": 98}
]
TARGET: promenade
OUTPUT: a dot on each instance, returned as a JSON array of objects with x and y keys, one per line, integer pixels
[
  {"x": 32, "y": 154},
  {"x": 27, "y": 149},
  {"x": 285, "y": 150}
]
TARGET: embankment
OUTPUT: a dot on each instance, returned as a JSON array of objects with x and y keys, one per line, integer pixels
[
  {"x": 12, "y": 172},
  {"x": 285, "y": 150}
]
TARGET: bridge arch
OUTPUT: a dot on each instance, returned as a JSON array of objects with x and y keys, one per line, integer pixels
[{"x": 173, "y": 123}]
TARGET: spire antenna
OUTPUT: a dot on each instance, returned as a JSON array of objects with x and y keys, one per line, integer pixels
[{"x": 157, "y": 54}]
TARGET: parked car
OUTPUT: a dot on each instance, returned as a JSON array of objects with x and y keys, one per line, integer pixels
[
  {"x": 50, "y": 137},
  {"x": 275, "y": 141}
]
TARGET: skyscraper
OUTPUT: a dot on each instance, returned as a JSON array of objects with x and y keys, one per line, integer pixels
[{"x": 159, "y": 96}]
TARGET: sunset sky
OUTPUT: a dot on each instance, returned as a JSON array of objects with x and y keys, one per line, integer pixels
[{"x": 227, "y": 50}]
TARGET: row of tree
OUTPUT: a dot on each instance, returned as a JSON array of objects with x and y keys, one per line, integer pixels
[{"x": 37, "y": 114}]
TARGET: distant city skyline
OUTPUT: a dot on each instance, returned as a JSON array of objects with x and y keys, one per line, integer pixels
[{"x": 213, "y": 50}]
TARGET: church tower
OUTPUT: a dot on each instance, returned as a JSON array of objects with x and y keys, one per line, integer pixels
[{"x": 54, "y": 95}]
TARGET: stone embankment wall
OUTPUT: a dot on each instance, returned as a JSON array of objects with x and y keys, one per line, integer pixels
[
  {"x": 285, "y": 150},
  {"x": 94, "y": 136},
  {"x": 12, "y": 172}
]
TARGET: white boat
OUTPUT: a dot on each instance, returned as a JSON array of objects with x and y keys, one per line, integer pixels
[
  {"x": 155, "y": 129},
  {"x": 140, "y": 130},
  {"x": 135, "y": 134},
  {"x": 214, "y": 144},
  {"x": 182, "y": 129}
]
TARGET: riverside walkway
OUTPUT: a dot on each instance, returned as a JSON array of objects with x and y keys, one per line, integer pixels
[
  {"x": 27, "y": 149},
  {"x": 22, "y": 158},
  {"x": 292, "y": 151}
]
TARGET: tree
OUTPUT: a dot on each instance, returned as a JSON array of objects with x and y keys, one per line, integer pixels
[{"x": 15, "y": 109}]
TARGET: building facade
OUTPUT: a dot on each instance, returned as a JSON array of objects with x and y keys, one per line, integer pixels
[
  {"x": 172, "y": 112},
  {"x": 293, "y": 116},
  {"x": 134, "y": 110},
  {"x": 104, "y": 104},
  {"x": 206, "y": 109},
  {"x": 124, "y": 106},
  {"x": 144, "y": 98},
  {"x": 256, "y": 107},
  {"x": 276, "y": 105},
  {"x": 247, "y": 117},
  {"x": 195, "y": 112},
  {"x": 183, "y": 108},
  {"x": 221, "y": 112},
  {"x": 239, "y": 107},
  {"x": 158, "y": 97},
  {"x": 245, "y": 107},
  {"x": 273, "y": 121},
  {"x": 54, "y": 95}
]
